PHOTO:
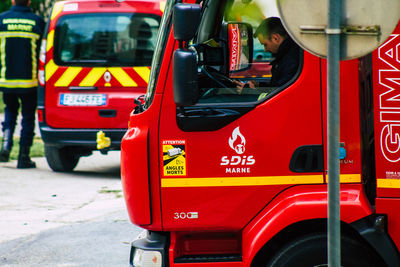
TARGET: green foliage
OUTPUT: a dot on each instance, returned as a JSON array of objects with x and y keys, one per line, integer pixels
[
  {"x": 37, "y": 148},
  {"x": 40, "y": 7},
  {"x": 1, "y": 103},
  {"x": 5, "y": 5}
]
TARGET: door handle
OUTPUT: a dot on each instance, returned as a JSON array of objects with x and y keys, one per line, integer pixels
[{"x": 107, "y": 113}]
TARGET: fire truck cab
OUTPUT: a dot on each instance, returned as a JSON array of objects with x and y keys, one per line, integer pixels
[
  {"x": 222, "y": 177},
  {"x": 95, "y": 60}
]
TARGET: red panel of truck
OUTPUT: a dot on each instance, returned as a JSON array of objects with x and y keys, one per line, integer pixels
[
  {"x": 216, "y": 186},
  {"x": 386, "y": 77}
]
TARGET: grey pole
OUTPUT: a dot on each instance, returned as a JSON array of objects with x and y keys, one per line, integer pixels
[{"x": 333, "y": 56}]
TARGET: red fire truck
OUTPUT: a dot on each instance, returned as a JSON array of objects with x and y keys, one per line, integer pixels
[{"x": 222, "y": 178}]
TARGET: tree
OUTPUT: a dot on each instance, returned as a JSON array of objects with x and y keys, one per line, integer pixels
[
  {"x": 40, "y": 7},
  {"x": 5, "y": 5}
]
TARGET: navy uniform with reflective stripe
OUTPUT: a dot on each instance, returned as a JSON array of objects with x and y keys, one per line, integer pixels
[{"x": 20, "y": 35}]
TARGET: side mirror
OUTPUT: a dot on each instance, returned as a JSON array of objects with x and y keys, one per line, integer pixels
[
  {"x": 185, "y": 83},
  {"x": 240, "y": 44},
  {"x": 185, "y": 19}
]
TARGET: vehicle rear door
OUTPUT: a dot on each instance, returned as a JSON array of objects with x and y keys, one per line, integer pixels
[{"x": 97, "y": 64}]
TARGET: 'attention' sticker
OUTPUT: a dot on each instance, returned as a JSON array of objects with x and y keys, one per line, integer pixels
[{"x": 174, "y": 157}]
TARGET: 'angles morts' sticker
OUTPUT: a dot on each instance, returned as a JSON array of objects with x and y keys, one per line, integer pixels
[{"x": 174, "y": 157}]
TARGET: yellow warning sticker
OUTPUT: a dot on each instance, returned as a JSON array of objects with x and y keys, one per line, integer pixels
[{"x": 174, "y": 157}]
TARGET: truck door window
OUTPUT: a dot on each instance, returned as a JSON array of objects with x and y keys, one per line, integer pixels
[
  {"x": 106, "y": 39},
  {"x": 218, "y": 85},
  {"x": 220, "y": 81},
  {"x": 234, "y": 67}
]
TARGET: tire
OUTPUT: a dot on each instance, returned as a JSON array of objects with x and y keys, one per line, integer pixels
[
  {"x": 61, "y": 159},
  {"x": 311, "y": 251}
]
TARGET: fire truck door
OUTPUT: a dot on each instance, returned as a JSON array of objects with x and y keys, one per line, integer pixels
[{"x": 223, "y": 159}]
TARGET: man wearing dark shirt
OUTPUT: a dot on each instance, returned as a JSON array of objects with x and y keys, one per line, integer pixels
[{"x": 273, "y": 36}]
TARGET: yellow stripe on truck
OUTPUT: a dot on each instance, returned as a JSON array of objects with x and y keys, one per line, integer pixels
[
  {"x": 95, "y": 75},
  {"x": 255, "y": 181},
  {"x": 50, "y": 40},
  {"x": 388, "y": 183},
  {"x": 242, "y": 181},
  {"x": 92, "y": 77},
  {"x": 50, "y": 68},
  {"x": 162, "y": 6},
  {"x": 58, "y": 7},
  {"x": 348, "y": 178},
  {"x": 68, "y": 76},
  {"x": 122, "y": 77},
  {"x": 144, "y": 73}
]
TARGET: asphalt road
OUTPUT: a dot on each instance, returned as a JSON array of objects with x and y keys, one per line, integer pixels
[{"x": 61, "y": 219}]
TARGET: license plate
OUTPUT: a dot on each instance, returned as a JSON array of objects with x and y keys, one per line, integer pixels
[{"x": 83, "y": 99}]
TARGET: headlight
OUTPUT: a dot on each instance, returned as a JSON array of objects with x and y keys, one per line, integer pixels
[{"x": 147, "y": 258}]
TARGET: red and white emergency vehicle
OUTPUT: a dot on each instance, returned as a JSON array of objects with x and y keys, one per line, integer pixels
[
  {"x": 95, "y": 60},
  {"x": 222, "y": 178}
]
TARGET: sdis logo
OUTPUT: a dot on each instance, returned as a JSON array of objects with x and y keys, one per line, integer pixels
[{"x": 239, "y": 163}]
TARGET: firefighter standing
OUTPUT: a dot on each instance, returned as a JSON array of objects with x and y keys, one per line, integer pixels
[{"x": 20, "y": 34}]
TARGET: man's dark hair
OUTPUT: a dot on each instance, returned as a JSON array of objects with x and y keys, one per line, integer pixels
[
  {"x": 269, "y": 26},
  {"x": 21, "y": 2}
]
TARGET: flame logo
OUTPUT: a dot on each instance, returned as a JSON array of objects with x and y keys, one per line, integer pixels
[{"x": 240, "y": 146}]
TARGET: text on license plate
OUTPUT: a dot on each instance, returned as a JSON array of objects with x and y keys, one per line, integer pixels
[{"x": 83, "y": 99}]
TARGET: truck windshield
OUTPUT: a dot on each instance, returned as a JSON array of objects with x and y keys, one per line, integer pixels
[
  {"x": 159, "y": 50},
  {"x": 106, "y": 39}
]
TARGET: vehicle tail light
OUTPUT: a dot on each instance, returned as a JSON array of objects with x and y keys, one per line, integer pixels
[
  {"x": 40, "y": 115},
  {"x": 42, "y": 61}
]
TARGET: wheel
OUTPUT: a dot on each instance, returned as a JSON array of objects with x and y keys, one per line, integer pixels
[
  {"x": 61, "y": 159},
  {"x": 311, "y": 251}
]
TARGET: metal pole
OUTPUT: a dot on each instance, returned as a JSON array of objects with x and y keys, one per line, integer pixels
[{"x": 333, "y": 43}]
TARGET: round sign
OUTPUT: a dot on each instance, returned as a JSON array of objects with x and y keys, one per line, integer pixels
[{"x": 365, "y": 24}]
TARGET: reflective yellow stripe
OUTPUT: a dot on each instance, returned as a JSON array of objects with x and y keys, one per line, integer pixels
[
  {"x": 50, "y": 68},
  {"x": 3, "y": 58},
  {"x": 19, "y": 21},
  {"x": 33, "y": 58},
  {"x": 68, "y": 76},
  {"x": 253, "y": 76},
  {"x": 122, "y": 77},
  {"x": 262, "y": 95},
  {"x": 254, "y": 181},
  {"x": 348, "y": 178},
  {"x": 58, "y": 7},
  {"x": 388, "y": 183},
  {"x": 50, "y": 40},
  {"x": 144, "y": 73},
  {"x": 18, "y": 83},
  {"x": 92, "y": 77},
  {"x": 242, "y": 181},
  {"x": 20, "y": 34},
  {"x": 162, "y": 6}
]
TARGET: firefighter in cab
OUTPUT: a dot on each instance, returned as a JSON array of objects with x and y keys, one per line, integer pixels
[{"x": 20, "y": 35}]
